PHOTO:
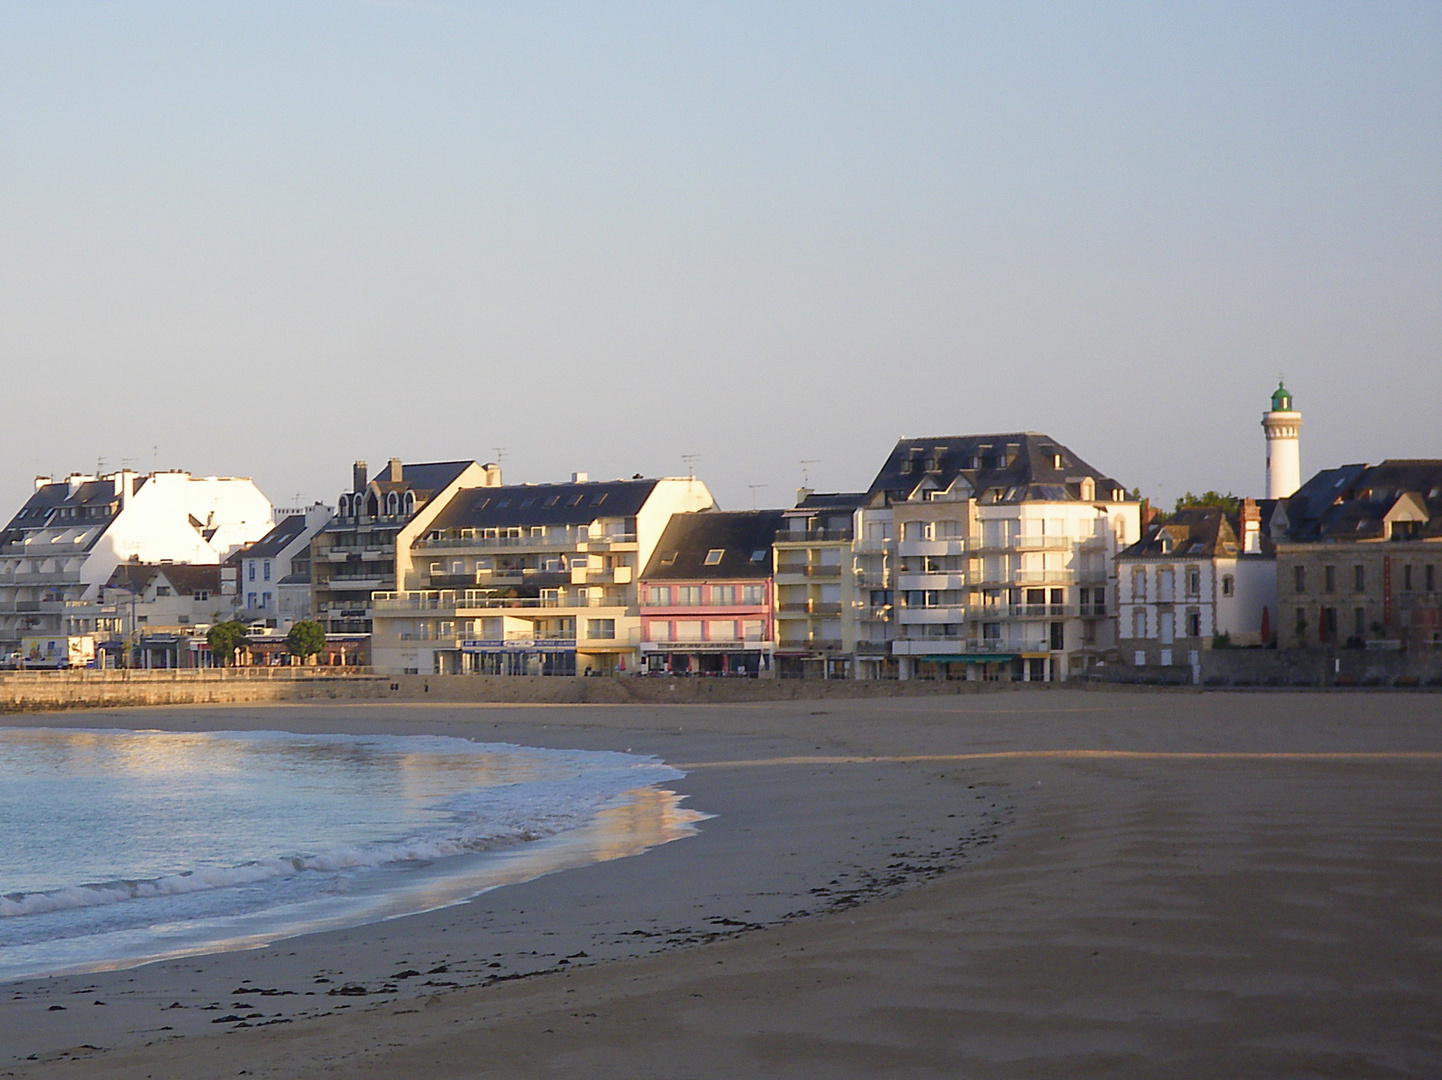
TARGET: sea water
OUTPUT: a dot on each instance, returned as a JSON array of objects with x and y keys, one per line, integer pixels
[{"x": 119, "y": 847}]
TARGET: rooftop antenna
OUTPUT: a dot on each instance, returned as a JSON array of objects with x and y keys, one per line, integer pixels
[
  {"x": 154, "y": 457},
  {"x": 806, "y": 464},
  {"x": 690, "y": 460},
  {"x": 500, "y": 452},
  {"x": 753, "y": 488}
]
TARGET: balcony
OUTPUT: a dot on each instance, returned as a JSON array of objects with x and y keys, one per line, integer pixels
[
  {"x": 923, "y": 548},
  {"x": 949, "y": 580},
  {"x": 369, "y": 583},
  {"x": 872, "y": 546},
  {"x": 810, "y": 607},
  {"x": 1043, "y": 577},
  {"x": 1042, "y": 543},
  {"x": 609, "y": 542},
  {"x": 880, "y": 613},
  {"x": 813, "y": 536},
  {"x": 590, "y": 575},
  {"x": 571, "y": 542},
  {"x": 927, "y": 615},
  {"x": 996, "y": 645},
  {"x": 1044, "y": 611},
  {"x": 928, "y": 646}
]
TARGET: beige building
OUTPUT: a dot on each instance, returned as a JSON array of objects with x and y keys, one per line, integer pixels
[
  {"x": 354, "y": 555},
  {"x": 816, "y": 586},
  {"x": 528, "y": 579},
  {"x": 988, "y": 557},
  {"x": 1359, "y": 558}
]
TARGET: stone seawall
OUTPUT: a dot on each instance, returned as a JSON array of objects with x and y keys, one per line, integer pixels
[{"x": 45, "y": 691}]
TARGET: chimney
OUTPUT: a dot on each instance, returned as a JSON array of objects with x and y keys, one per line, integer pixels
[
  {"x": 393, "y": 472},
  {"x": 493, "y": 474},
  {"x": 580, "y": 477},
  {"x": 802, "y": 494},
  {"x": 358, "y": 476},
  {"x": 43, "y": 481},
  {"x": 1251, "y": 526}
]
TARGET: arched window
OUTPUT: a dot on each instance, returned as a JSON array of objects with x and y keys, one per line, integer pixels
[
  {"x": 343, "y": 506},
  {"x": 393, "y": 503},
  {"x": 410, "y": 503},
  {"x": 373, "y": 506}
]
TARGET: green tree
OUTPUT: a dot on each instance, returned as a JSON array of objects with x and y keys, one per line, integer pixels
[
  {"x": 1228, "y": 503},
  {"x": 224, "y": 638},
  {"x": 306, "y": 638}
]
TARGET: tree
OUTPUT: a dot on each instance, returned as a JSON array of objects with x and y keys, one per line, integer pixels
[
  {"x": 1228, "y": 503},
  {"x": 224, "y": 638},
  {"x": 306, "y": 638}
]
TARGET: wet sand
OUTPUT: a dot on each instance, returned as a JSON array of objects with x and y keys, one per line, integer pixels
[{"x": 1016, "y": 884}]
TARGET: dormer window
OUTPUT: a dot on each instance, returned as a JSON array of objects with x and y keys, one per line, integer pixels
[
  {"x": 906, "y": 466},
  {"x": 1166, "y": 544},
  {"x": 713, "y": 557}
]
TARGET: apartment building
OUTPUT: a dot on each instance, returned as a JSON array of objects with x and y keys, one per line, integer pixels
[
  {"x": 1194, "y": 581},
  {"x": 529, "y": 579},
  {"x": 989, "y": 557},
  {"x": 816, "y": 586},
  {"x": 1359, "y": 558},
  {"x": 354, "y": 554},
  {"x": 705, "y": 595},
  {"x": 61, "y": 548}
]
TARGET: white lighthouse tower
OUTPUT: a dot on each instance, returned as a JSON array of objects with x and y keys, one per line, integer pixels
[{"x": 1283, "y": 425}]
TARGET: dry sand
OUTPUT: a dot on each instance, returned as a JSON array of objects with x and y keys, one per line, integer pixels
[{"x": 1043, "y": 883}]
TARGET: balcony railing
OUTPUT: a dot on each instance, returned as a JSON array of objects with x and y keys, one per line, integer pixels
[
  {"x": 810, "y": 607},
  {"x": 1043, "y": 611},
  {"x": 810, "y": 536}
]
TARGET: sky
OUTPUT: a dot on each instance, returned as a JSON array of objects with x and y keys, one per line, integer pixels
[{"x": 270, "y": 238}]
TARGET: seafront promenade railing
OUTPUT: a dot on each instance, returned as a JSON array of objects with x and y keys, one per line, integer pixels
[{"x": 233, "y": 674}]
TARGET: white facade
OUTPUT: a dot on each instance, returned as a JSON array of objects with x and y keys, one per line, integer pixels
[
  {"x": 274, "y": 573},
  {"x": 64, "y": 544}
]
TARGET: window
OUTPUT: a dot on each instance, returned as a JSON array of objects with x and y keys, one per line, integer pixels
[
  {"x": 713, "y": 557},
  {"x": 162, "y": 590},
  {"x": 1139, "y": 624},
  {"x": 265, "y": 599},
  {"x": 754, "y": 630},
  {"x": 1139, "y": 583},
  {"x": 759, "y": 555},
  {"x": 753, "y": 594},
  {"x": 1359, "y": 578},
  {"x": 200, "y": 594},
  {"x": 266, "y": 570},
  {"x": 723, "y": 594},
  {"x": 600, "y": 628},
  {"x": 658, "y": 631},
  {"x": 1329, "y": 579},
  {"x": 721, "y": 630},
  {"x": 250, "y": 570},
  {"x": 1299, "y": 625},
  {"x": 1299, "y": 579},
  {"x": 250, "y": 600},
  {"x": 688, "y": 594},
  {"x": 668, "y": 559},
  {"x": 1194, "y": 624},
  {"x": 689, "y": 630},
  {"x": 1359, "y": 622},
  {"x": 1229, "y": 585},
  {"x": 1194, "y": 581},
  {"x": 1407, "y": 577}
]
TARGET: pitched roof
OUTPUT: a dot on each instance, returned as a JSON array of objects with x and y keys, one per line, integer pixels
[
  {"x": 739, "y": 536},
  {"x": 1355, "y": 502},
  {"x": 184, "y": 578},
  {"x": 1006, "y": 468},
  {"x": 426, "y": 477},
  {"x": 1199, "y": 532},
  {"x": 525, "y": 505},
  {"x": 285, "y": 533}
]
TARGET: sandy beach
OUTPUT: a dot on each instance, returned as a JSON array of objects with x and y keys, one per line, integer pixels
[{"x": 1031, "y": 883}]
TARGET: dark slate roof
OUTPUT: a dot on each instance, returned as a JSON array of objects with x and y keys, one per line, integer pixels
[
  {"x": 184, "y": 578},
  {"x": 1351, "y": 502},
  {"x": 1199, "y": 532},
  {"x": 524, "y": 505},
  {"x": 833, "y": 500},
  {"x": 97, "y": 498},
  {"x": 739, "y": 535},
  {"x": 277, "y": 540},
  {"x": 998, "y": 468},
  {"x": 424, "y": 478}
]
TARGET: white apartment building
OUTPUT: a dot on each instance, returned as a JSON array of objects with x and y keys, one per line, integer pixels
[
  {"x": 64, "y": 544},
  {"x": 528, "y": 579},
  {"x": 816, "y": 583},
  {"x": 987, "y": 557}
]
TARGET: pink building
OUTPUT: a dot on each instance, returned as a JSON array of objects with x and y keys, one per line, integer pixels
[{"x": 706, "y": 595}]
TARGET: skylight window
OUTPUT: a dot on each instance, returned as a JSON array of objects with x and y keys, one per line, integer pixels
[
  {"x": 553, "y": 500},
  {"x": 759, "y": 555},
  {"x": 713, "y": 557},
  {"x": 597, "y": 500},
  {"x": 668, "y": 559}
]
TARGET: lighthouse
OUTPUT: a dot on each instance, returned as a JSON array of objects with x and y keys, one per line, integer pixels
[{"x": 1283, "y": 425}]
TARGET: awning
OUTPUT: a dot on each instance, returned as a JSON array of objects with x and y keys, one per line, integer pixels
[{"x": 965, "y": 658}]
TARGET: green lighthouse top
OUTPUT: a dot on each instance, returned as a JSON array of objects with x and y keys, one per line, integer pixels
[{"x": 1281, "y": 399}]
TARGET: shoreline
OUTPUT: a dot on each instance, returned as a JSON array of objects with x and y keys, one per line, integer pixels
[{"x": 832, "y": 853}]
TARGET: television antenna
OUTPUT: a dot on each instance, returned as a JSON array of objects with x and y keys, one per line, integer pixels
[
  {"x": 690, "y": 460},
  {"x": 754, "y": 488},
  {"x": 806, "y": 464}
]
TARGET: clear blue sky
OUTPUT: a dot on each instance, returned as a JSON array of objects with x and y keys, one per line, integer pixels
[{"x": 270, "y": 238}]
